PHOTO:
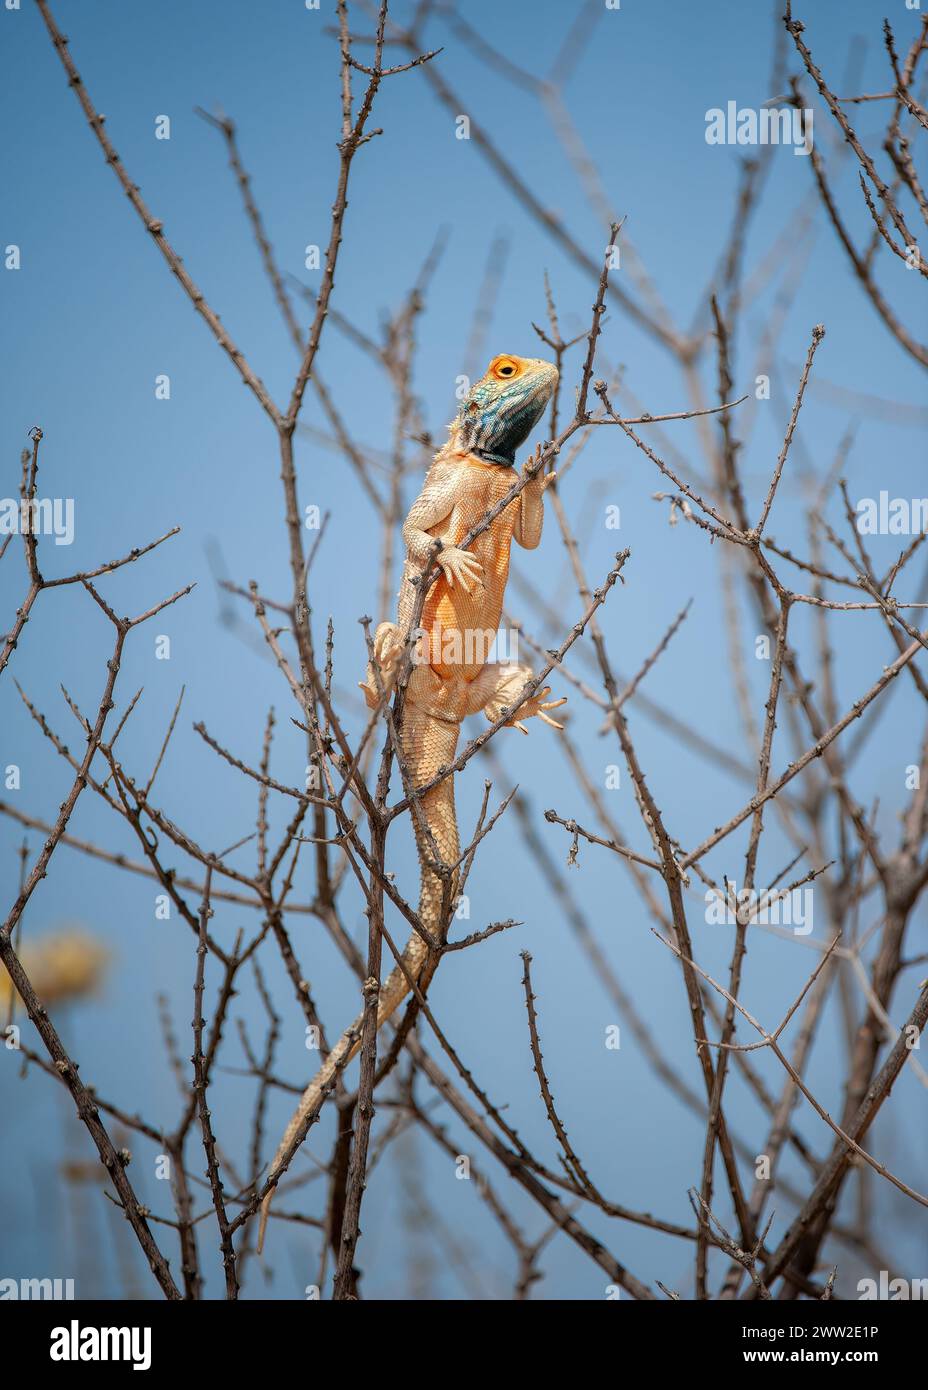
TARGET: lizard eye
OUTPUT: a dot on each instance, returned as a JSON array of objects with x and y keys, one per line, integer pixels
[{"x": 504, "y": 368}]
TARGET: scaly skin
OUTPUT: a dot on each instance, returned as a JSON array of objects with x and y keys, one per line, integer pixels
[{"x": 451, "y": 678}]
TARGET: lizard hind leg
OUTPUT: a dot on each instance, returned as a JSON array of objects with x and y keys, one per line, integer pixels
[
  {"x": 388, "y": 648},
  {"x": 499, "y": 685}
]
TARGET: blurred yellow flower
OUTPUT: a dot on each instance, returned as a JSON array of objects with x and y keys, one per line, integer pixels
[{"x": 67, "y": 964}]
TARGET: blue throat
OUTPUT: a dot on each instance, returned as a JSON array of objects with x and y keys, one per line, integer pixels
[{"x": 507, "y": 459}]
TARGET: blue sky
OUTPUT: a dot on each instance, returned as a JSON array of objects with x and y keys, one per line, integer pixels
[{"x": 93, "y": 317}]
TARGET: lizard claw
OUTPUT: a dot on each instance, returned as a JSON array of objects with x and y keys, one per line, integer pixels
[
  {"x": 545, "y": 720},
  {"x": 551, "y": 704}
]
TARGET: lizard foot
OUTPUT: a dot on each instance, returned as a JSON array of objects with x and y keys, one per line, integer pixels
[
  {"x": 460, "y": 565},
  {"x": 388, "y": 648},
  {"x": 541, "y": 481},
  {"x": 538, "y": 706},
  {"x": 509, "y": 686}
]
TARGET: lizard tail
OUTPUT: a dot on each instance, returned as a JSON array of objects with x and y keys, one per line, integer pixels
[{"x": 428, "y": 744}]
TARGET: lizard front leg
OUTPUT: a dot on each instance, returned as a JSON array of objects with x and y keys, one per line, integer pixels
[{"x": 530, "y": 520}]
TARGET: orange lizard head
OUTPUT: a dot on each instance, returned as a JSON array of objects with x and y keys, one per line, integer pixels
[{"x": 501, "y": 409}]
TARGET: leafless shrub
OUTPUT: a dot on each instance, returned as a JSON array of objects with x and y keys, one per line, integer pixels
[{"x": 871, "y": 884}]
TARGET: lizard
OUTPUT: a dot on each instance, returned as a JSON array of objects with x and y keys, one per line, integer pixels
[{"x": 450, "y": 677}]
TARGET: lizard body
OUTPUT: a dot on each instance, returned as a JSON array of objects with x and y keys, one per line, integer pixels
[{"x": 450, "y": 677}]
